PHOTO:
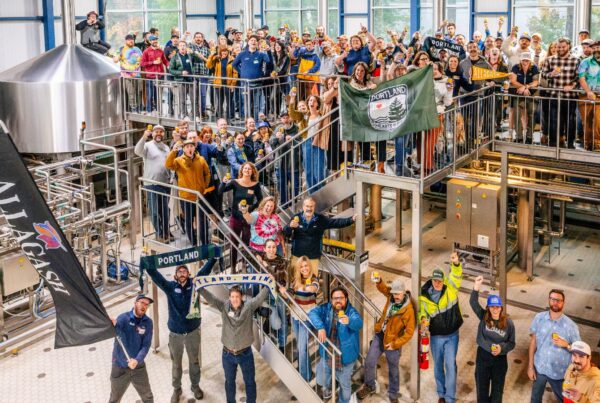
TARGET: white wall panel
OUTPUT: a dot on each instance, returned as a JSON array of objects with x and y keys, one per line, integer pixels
[
  {"x": 201, "y": 6},
  {"x": 352, "y": 24},
  {"x": 234, "y": 22},
  {"x": 29, "y": 32},
  {"x": 82, "y": 7},
  {"x": 208, "y": 26},
  {"x": 234, "y": 6},
  {"x": 496, "y": 6},
  {"x": 24, "y": 8},
  {"x": 353, "y": 6}
]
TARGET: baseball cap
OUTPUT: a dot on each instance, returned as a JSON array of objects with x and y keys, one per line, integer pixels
[
  {"x": 494, "y": 300},
  {"x": 525, "y": 56},
  {"x": 398, "y": 286},
  {"x": 143, "y": 296},
  {"x": 153, "y": 38},
  {"x": 265, "y": 27},
  {"x": 588, "y": 42},
  {"x": 262, "y": 124},
  {"x": 584, "y": 31},
  {"x": 185, "y": 143},
  {"x": 158, "y": 127},
  {"x": 596, "y": 43},
  {"x": 537, "y": 34},
  {"x": 284, "y": 113},
  {"x": 525, "y": 35},
  {"x": 182, "y": 266},
  {"x": 129, "y": 36},
  {"x": 438, "y": 274},
  {"x": 581, "y": 348}
]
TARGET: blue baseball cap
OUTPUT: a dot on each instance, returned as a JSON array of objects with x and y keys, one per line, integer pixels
[
  {"x": 153, "y": 38},
  {"x": 494, "y": 300},
  {"x": 263, "y": 124}
]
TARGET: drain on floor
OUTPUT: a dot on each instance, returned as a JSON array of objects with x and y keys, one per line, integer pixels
[
  {"x": 587, "y": 246},
  {"x": 218, "y": 325},
  {"x": 47, "y": 349},
  {"x": 588, "y": 307},
  {"x": 571, "y": 274},
  {"x": 580, "y": 260},
  {"x": 524, "y": 291},
  {"x": 92, "y": 349},
  {"x": 89, "y": 374},
  {"x": 42, "y": 375}
]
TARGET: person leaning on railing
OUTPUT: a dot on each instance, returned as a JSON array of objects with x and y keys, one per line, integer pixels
[
  {"x": 222, "y": 64},
  {"x": 589, "y": 79},
  {"x": 393, "y": 330},
  {"x": 524, "y": 78},
  {"x": 181, "y": 68},
  {"x": 153, "y": 63}
]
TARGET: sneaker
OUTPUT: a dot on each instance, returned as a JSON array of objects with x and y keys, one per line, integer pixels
[
  {"x": 365, "y": 391},
  {"x": 198, "y": 393},
  {"x": 176, "y": 395},
  {"x": 326, "y": 394},
  {"x": 396, "y": 400}
]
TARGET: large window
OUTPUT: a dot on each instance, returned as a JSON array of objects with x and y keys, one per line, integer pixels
[
  {"x": 333, "y": 18},
  {"x": 458, "y": 11},
  {"x": 551, "y": 18},
  {"x": 595, "y": 23},
  {"x": 298, "y": 14},
  {"x": 426, "y": 26},
  {"x": 390, "y": 14},
  {"x": 125, "y": 16}
]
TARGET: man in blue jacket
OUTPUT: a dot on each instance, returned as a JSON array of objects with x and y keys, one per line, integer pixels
[
  {"x": 134, "y": 329},
  {"x": 250, "y": 65},
  {"x": 183, "y": 332},
  {"x": 306, "y": 230},
  {"x": 339, "y": 322}
]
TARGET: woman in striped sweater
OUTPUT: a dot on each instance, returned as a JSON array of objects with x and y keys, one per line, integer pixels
[{"x": 303, "y": 289}]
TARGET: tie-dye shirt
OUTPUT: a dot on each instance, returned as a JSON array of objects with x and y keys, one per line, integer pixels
[{"x": 263, "y": 228}]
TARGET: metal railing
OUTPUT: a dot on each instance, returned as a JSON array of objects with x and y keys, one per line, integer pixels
[{"x": 201, "y": 213}]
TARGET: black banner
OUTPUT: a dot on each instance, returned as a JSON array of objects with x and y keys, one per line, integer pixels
[
  {"x": 80, "y": 317},
  {"x": 433, "y": 46}
]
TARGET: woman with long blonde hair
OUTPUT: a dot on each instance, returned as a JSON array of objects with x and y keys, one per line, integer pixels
[{"x": 303, "y": 289}]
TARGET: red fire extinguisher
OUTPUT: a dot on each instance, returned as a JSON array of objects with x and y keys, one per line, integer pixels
[{"x": 424, "y": 348}]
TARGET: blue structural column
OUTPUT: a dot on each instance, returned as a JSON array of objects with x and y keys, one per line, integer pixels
[
  {"x": 48, "y": 21},
  {"x": 341, "y": 17},
  {"x": 221, "y": 15},
  {"x": 101, "y": 6},
  {"x": 415, "y": 16}
]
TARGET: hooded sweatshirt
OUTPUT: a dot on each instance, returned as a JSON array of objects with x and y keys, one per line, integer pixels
[{"x": 588, "y": 383}]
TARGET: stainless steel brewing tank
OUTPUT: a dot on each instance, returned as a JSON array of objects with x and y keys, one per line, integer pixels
[{"x": 44, "y": 100}]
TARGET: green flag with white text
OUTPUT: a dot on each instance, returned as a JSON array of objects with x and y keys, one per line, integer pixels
[{"x": 394, "y": 108}]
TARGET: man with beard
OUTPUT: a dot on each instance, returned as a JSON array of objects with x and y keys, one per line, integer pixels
[
  {"x": 153, "y": 61},
  {"x": 560, "y": 71},
  {"x": 192, "y": 173},
  {"x": 282, "y": 142},
  {"x": 154, "y": 154},
  {"x": 589, "y": 79},
  {"x": 582, "y": 36},
  {"x": 514, "y": 53},
  {"x": 552, "y": 334},
  {"x": 250, "y": 66},
  {"x": 582, "y": 380},
  {"x": 320, "y": 36},
  {"x": 183, "y": 332},
  {"x": 134, "y": 333},
  {"x": 129, "y": 58},
  {"x": 338, "y": 321}
]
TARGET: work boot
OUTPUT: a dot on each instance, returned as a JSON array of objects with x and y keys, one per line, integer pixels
[
  {"x": 365, "y": 391},
  {"x": 198, "y": 393},
  {"x": 176, "y": 395}
]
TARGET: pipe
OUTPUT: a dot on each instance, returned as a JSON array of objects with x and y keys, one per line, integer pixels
[{"x": 68, "y": 22}]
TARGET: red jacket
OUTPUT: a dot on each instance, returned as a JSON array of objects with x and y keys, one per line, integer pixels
[{"x": 148, "y": 58}]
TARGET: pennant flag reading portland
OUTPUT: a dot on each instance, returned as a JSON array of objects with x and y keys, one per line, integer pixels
[
  {"x": 80, "y": 317},
  {"x": 394, "y": 108},
  {"x": 479, "y": 74}
]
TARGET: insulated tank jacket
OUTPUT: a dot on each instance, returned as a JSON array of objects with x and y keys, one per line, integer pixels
[{"x": 444, "y": 317}]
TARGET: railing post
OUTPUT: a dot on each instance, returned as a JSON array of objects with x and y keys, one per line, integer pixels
[
  {"x": 194, "y": 100},
  {"x": 558, "y": 127}
]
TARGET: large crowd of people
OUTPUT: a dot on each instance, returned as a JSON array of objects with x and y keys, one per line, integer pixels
[{"x": 294, "y": 78}]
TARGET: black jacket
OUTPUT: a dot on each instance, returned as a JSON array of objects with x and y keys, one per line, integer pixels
[{"x": 307, "y": 239}]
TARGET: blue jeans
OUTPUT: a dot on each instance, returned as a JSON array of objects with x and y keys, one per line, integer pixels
[
  {"x": 393, "y": 361},
  {"x": 246, "y": 363},
  {"x": 159, "y": 209},
  {"x": 194, "y": 216},
  {"x": 315, "y": 166},
  {"x": 151, "y": 96},
  {"x": 539, "y": 385},
  {"x": 301, "y": 333},
  {"x": 256, "y": 99},
  {"x": 342, "y": 375},
  {"x": 284, "y": 180},
  {"x": 202, "y": 83},
  {"x": 443, "y": 349},
  {"x": 282, "y": 332}
]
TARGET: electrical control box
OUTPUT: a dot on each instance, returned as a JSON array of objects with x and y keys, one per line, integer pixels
[
  {"x": 17, "y": 273},
  {"x": 485, "y": 216},
  {"x": 458, "y": 210}
]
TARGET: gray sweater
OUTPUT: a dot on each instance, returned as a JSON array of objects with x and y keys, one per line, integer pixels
[
  {"x": 236, "y": 332},
  {"x": 155, "y": 156},
  {"x": 487, "y": 336}
]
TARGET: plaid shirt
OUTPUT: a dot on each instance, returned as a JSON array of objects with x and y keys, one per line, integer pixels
[
  {"x": 333, "y": 336},
  {"x": 199, "y": 65},
  {"x": 567, "y": 74}
]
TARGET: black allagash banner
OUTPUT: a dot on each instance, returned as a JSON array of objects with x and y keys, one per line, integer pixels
[{"x": 80, "y": 317}]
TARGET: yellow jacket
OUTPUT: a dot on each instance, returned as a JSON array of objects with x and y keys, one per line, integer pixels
[
  {"x": 192, "y": 173},
  {"x": 214, "y": 62}
]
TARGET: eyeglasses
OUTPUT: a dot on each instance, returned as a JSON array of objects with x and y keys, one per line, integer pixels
[
  {"x": 424, "y": 59},
  {"x": 338, "y": 298},
  {"x": 556, "y": 299}
]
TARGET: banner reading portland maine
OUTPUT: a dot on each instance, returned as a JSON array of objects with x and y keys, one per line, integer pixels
[
  {"x": 394, "y": 108},
  {"x": 80, "y": 317}
]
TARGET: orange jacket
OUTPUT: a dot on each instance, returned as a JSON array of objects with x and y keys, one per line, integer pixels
[
  {"x": 192, "y": 173},
  {"x": 401, "y": 325}
]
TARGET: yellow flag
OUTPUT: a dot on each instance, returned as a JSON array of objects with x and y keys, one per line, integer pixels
[{"x": 479, "y": 73}]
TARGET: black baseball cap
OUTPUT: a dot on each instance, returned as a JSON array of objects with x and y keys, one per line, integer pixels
[
  {"x": 129, "y": 36},
  {"x": 143, "y": 296}
]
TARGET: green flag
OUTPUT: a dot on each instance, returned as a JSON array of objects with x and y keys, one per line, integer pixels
[{"x": 394, "y": 108}]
